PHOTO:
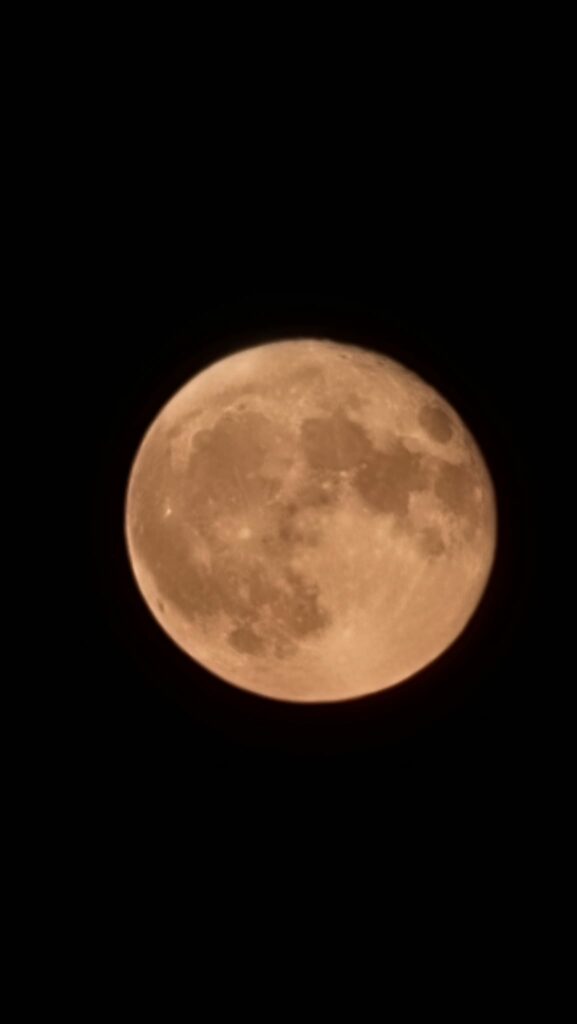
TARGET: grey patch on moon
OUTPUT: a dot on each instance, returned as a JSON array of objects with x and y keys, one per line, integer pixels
[
  {"x": 224, "y": 464},
  {"x": 220, "y": 474},
  {"x": 455, "y": 486},
  {"x": 284, "y": 648},
  {"x": 387, "y": 478},
  {"x": 306, "y": 376},
  {"x": 431, "y": 542},
  {"x": 294, "y": 528},
  {"x": 321, "y": 491},
  {"x": 334, "y": 442},
  {"x": 297, "y": 607},
  {"x": 245, "y": 640},
  {"x": 436, "y": 423},
  {"x": 284, "y": 610}
]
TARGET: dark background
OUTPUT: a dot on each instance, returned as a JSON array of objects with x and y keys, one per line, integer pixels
[{"x": 441, "y": 286}]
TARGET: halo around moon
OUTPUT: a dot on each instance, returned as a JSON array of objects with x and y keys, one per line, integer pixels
[{"x": 310, "y": 521}]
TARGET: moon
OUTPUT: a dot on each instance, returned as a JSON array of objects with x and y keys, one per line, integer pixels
[{"x": 310, "y": 521}]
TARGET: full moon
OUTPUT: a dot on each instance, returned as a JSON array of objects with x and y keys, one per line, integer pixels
[{"x": 310, "y": 521}]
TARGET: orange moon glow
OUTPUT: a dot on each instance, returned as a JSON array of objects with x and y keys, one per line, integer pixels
[{"x": 310, "y": 521}]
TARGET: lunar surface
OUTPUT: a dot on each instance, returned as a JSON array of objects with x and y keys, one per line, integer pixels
[{"x": 310, "y": 521}]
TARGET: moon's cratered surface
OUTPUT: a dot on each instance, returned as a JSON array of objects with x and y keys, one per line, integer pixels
[{"x": 310, "y": 521}]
